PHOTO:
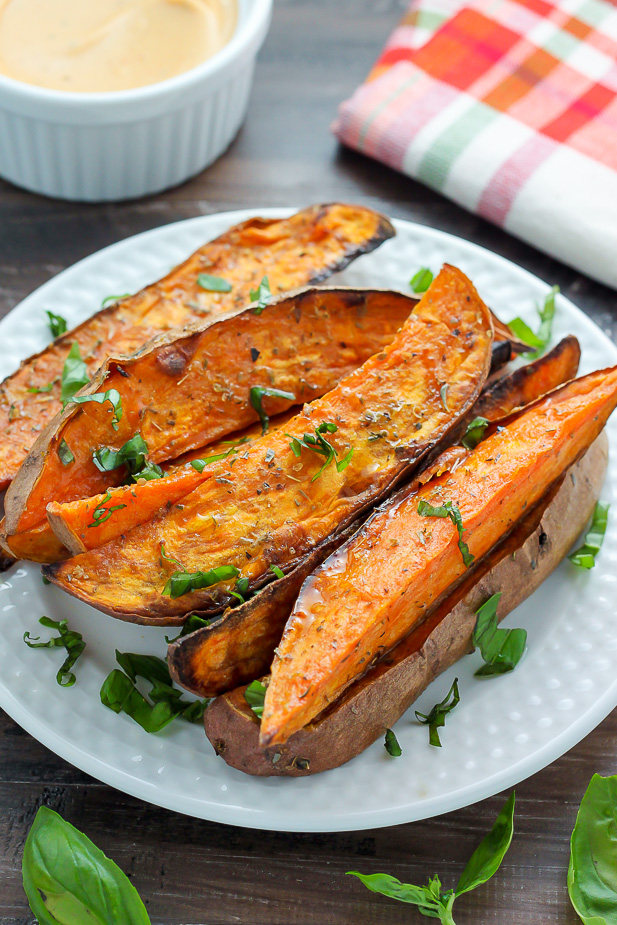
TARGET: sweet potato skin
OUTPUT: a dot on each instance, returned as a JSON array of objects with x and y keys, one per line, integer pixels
[
  {"x": 184, "y": 392},
  {"x": 375, "y": 702},
  {"x": 302, "y": 249},
  {"x": 377, "y": 587},
  {"x": 269, "y": 508}
]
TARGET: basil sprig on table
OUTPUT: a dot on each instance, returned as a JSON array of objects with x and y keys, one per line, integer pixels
[
  {"x": 317, "y": 443},
  {"x": 132, "y": 454},
  {"x": 437, "y": 716},
  {"x": 474, "y": 433},
  {"x": 421, "y": 280},
  {"x": 213, "y": 283},
  {"x": 256, "y": 396},
  {"x": 57, "y": 324},
  {"x": 68, "y": 639},
  {"x": 119, "y": 692},
  {"x": 431, "y": 900},
  {"x": 592, "y": 872},
  {"x": 540, "y": 341},
  {"x": 451, "y": 510},
  {"x": 501, "y": 649},
  {"x": 69, "y": 881},
  {"x": 262, "y": 295},
  {"x": 585, "y": 555}
]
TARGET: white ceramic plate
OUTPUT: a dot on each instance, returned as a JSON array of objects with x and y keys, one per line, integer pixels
[{"x": 504, "y": 729}]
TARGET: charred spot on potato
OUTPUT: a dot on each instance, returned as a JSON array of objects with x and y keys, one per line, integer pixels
[
  {"x": 172, "y": 361},
  {"x": 299, "y": 764},
  {"x": 219, "y": 746}
]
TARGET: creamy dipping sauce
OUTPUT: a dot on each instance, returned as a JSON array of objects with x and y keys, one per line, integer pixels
[{"x": 101, "y": 45}]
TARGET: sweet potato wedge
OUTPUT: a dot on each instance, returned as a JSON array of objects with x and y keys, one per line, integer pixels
[
  {"x": 282, "y": 498},
  {"x": 378, "y": 586},
  {"x": 184, "y": 392},
  {"x": 240, "y": 646},
  {"x": 376, "y": 701},
  {"x": 293, "y": 252}
]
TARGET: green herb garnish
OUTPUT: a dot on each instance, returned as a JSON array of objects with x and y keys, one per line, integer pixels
[
  {"x": 443, "y": 394},
  {"x": 448, "y": 509},
  {"x": 39, "y": 389},
  {"x": 200, "y": 464},
  {"x": 431, "y": 900},
  {"x": 539, "y": 341},
  {"x": 65, "y": 453},
  {"x": 165, "y": 702},
  {"x": 112, "y": 396},
  {"x": 437, "y": 716},
  {"x": 391, "y": 744},
  {"x": 256, "y": 396},
  {"x": 192, "y": 623},
  {"x": 68, "y": 639},
  {"x": 132, "y": 455},
  {"x": 592, "y": 872},
  {"x": 421, "y": 281},
  {"x": 474, "y": 433},
  {"x": 255, "y": 694},
  {"x": 57, "y": 324},
  {"x": 114, "y": 298},
  {"x": 68, "y": 879},
  {"x": 317, "y": 443},
  {"x": 501, "y": 649},
  {"x": 585, "y": 555},
  {"x": 277, "y": 571},
  {"x": 74, "y": 374},
  {"x": 213, "y": 283},
  {"x": 261, "y": 295},
  {"x": 181, "y": 582},
  {"x": 104, "y": 510}
]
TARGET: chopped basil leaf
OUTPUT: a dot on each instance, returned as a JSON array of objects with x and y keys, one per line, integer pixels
[
  {"x": 57, "y": 324},
  {"x": 474, "y": 434},
  {"x": 256, "y": 396},
  {"x": 539, "y": 341},
  {"x": 112, "y": 396},
  {"x": 592, "y": 875},
  {"x": 317, "y": 443},
  {"x": 421, "y": 281},
  {"x": 68, "y": 639},
  {"x": 181, "y": 582},
  {"x": 200, "y": 464},
  {"x": 193, "y": 622},
  {"x": 104, "y": 511},
  {"x": 213, "y": 283},
  {"x": 585, "y": 555},
  {"x": 120, "y": 694},
  {"x": 344, "y": 462},
  {"x": 501, "y": 649},
  {"x": 391, "y": 744},
  {"x": 65, "y": 454},
  {"x": 132, "y": 455},
  {"x": 74, "y": 374},
  {"x": 443, "y": 394},
  {"x": 277, "y": 571},
  {"x": 37, "y": 390},
  {"x": 114, "y": 298},
  {"x": 437, "y": 716},
  {"x": 261, "y": 295},
  {"x": 448, "y": 509},
  {"x": 255, "y": 694}
]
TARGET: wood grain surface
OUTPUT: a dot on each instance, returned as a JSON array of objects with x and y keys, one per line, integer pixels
[{"x": 189, "y": 871}]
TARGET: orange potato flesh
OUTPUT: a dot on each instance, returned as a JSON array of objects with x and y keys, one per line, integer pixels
[
  {"x": 265, "y": 509},
  {"x": 295, "y": 251},
  {"x": 378, "y": 586}
]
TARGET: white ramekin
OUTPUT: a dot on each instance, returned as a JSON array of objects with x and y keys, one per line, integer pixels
[{"x": 107, "y": 146}]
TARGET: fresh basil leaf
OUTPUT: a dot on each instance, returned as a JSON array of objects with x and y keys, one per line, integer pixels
[
  {"x": 108, "y": 300},
  {"x": 489, "y": 854},
  {"x": 104, "y": 511},
  {"x": 523, "y": 332},
  {"x": 256, "y": 396},
  {"x": 389, "y": 886},
  {"x": 74, "y": 374},
  {"x": 344, "y": 462},
  {"x": 421, "y": 280},
  {"x": 255, "y": 694},
  {"x": 65, "y": 454},
  {"x": 69, "y": 881},
  {"x": 592, "y": 871},
  {"x": 132, "y": 455},
  {"x": 451, "y": 510},
  {"x": 57, "y": 324},
  {"x": 585, "y": 555},
  {"x": 474, "y": 433},
  {"x": 181, "y": 582},
  {"x": 541, "y": 340},
  {"x": 120, "y": 695},
  {"x": 150, "y": 667},
  {"x": 437, "y": 716},
  {"x": 277, "y": 571},
  {"x": 391, "y": 744},
  {"x": 40, "y": 389},
  {"x": 112, "y": 396},
  {"x": 68, "y": 639},
  {"x": 501, "y": 649},
  {"x": 262, "y": 295},
  {"x": 193, "y": 622},
  {"x": 200, "y": 464},
  {"x": 317, "y": 443},
  {"x": 213, "y": 283}
]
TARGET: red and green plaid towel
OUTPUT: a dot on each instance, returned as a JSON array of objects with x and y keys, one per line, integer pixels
[{"x": 508, "y": 107}]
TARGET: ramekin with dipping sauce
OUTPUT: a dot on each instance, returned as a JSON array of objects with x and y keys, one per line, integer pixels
[{"x": 125, "y": 143}]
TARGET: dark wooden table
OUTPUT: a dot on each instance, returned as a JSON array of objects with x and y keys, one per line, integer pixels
[{"x": 189, "y": 871}]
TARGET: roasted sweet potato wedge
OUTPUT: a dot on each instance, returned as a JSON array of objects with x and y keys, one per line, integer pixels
[
  {"x": 378, "y": 586},
  {"x": 290, "y": 491},
  {"x": 292, "y": 252},
  {"x": 240, "y": 646},
  {"x": 374, "y": 703},
  {"x": 181, "y": 393}
]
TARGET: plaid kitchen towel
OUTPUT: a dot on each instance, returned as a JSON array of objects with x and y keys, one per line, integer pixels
[{"x": 508, "y": 107}]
